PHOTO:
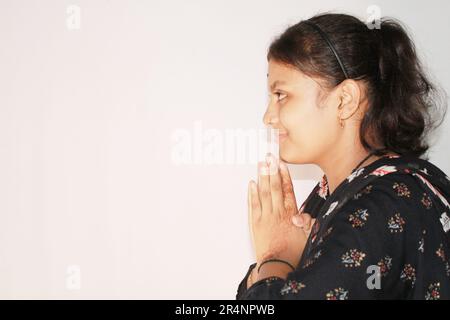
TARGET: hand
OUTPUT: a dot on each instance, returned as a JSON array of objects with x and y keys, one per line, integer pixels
[
  {"x": 272, "y": 206},
  {"x": 302, "y": 220}
]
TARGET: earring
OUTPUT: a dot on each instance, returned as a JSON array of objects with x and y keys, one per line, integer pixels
[{"x": 341, "y": 122}]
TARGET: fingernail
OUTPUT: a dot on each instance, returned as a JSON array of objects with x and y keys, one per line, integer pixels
[
  {"x": 253, "y": 186},
  {"x": 263, "y": 169},
  {"x": 269, "y": 158},
  {"x": 273, "y": 168},
  {"x": 297, "y": 220}
]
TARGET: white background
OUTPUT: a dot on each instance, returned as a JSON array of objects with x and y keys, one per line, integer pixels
[{"x": 86, "y": 120}]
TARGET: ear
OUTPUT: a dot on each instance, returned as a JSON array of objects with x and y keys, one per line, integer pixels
[{"x": 350, "y": 93}]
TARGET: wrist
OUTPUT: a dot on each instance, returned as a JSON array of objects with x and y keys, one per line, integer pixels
[
  {"x": 290, "y": 259},
  {"x": 273, "y": 269}
]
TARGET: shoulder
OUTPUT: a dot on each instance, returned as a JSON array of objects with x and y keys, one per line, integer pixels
[
  {"x": 379, "y": 217},
  {"x": 389, "y": 201},
  {"x": 398, "y": 183}
]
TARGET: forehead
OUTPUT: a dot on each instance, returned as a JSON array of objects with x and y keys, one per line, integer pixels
[{"x": 282, "y": 74}]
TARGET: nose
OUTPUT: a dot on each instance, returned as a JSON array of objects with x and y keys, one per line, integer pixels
[{"x": 271, "y": 116}]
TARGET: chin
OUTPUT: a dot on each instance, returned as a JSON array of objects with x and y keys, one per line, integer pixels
[
  {"x": 288, "y": 156},
  {"x": 291, "y": 154}
]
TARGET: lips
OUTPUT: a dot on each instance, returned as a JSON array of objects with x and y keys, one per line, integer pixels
[
  {"x": 282, "y": 136},
  {"x": 281, "y": 133}
]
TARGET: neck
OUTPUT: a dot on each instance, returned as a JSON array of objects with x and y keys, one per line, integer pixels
[{"x": 340, "y": 164}]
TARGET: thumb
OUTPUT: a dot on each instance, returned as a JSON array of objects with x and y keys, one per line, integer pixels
[
  {"x": 308, "y": 221},
  {"x": 303, "y": 220},
  {"x": 308, "y": 226},
  {"x": 298, "y": 220}
]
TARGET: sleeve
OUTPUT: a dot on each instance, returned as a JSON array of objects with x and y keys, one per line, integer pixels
[
  {"x": 361, "y": 254},
  {"x": 243, "y": 285}
]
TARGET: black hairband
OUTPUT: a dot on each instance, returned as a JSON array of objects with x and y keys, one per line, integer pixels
[{"x": 325, "y": 37}]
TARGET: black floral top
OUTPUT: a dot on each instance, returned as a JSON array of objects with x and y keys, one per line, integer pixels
[{"x": 382, "y": 234}]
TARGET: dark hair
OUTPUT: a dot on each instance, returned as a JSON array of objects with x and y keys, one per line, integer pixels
[{"x": 401, "y": 97}]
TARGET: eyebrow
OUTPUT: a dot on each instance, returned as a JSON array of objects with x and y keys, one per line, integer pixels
[{"x": 275, "y": 83}]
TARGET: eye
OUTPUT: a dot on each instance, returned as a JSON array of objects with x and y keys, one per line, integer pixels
[{"x": 280, "y": 95}]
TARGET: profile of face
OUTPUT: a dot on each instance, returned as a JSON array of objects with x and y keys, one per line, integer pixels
[{"x": 305, "y": 113}]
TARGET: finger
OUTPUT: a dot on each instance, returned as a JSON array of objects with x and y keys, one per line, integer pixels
[
  {"x": 308, "y": 228},
  {"x": 254, "y": 205},
  {"x": 254, "y": 208},
  {"x": 264, "y": 187},
  {"x": 275, "y": 184},
  {"x": 308, "y": 225},
  {"x": 308, "y": 221},
  {"x": 302, "y": 220},
  {"x": 297, "y": 220},
  {"x": 290, "y": 203},
  {"x": 305, "y": 222}
]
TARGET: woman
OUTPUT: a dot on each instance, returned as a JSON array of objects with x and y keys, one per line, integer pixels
[{"x": 357, "y": 103}]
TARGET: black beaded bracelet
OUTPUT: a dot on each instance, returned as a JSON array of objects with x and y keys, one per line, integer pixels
[{"x": 276, "y": 260}]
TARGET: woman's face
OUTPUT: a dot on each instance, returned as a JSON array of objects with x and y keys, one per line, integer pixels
[{"x": 300, "y": 108}]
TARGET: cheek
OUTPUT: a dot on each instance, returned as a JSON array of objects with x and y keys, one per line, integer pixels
[
  {"x": 311, "y": 132},
  {"x": 304, "y": 123}
]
